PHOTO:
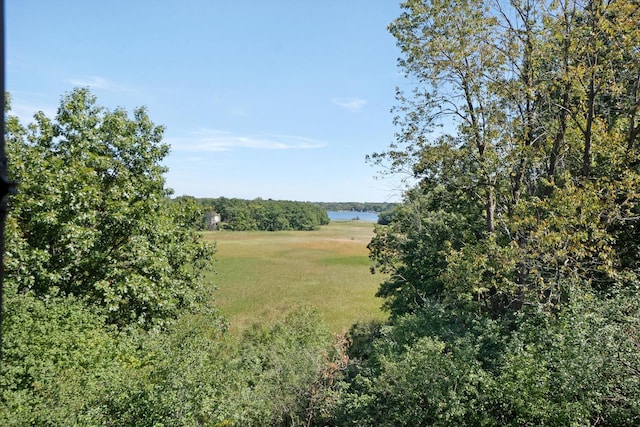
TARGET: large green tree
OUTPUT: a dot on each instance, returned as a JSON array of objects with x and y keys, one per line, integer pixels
[
  {"x": 531, "y": 184},
  {"x": 92, "y": 218},
  {"x": 512, "y": 263}
]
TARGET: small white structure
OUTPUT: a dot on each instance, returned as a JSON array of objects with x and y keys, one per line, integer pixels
[{"x": 212, "y": 220}]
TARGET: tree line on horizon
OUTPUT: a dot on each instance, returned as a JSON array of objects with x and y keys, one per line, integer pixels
[
  {"x": 264, "y": 215},
  {"x": 275, "y": 215},
  {"x": 272, "y": 215}
]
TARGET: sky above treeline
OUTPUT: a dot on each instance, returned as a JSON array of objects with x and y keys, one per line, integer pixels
[{"x": 278, "y": 99}]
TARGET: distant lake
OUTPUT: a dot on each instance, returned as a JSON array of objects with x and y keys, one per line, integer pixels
[{"x": 349, "y": 215}]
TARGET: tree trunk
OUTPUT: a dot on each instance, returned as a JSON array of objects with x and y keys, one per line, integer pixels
[{"x": 588, "y": 132}]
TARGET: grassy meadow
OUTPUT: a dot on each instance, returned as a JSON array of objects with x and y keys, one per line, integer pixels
[{"x": 262, "y": 275}]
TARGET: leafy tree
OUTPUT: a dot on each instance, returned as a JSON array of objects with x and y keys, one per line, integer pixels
[
  {"x": 512, "y": 265},
  {"x": 192, "y": 376},
  {"x": 441, "y": 365},
  {"x": 59, "y": 362},
  {"x": 92, "y": 218},
  {"x": 385, "y": 217},
  {"x": 411, "y": 249},
  {"x": 578, "y": 368},
  {"x": 541, "y": 144}
]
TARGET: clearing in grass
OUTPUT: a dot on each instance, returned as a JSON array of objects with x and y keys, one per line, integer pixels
[{"x": 262, "y": 275}]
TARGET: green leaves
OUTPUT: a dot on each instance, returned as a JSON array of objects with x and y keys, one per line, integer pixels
[
  {"x": 59, "y": 360},
  {"x": 539, "y": 141},
  {"x": 443, "y": 365},
  {"x": 92, "y": 219},
  {"x": 513, "y": 261}
]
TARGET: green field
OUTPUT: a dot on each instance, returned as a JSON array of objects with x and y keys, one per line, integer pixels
[{"x": 261, "y": 275}]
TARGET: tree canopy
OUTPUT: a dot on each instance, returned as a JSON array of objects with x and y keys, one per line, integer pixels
[
  {"x": 512, "y": 264},
  {"x": 530, "y": 187},
  {"x": 92, "y": 218}
]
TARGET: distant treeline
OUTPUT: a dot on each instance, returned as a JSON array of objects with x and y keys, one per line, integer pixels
[
  {"x": 356, "y": 206},
  {"x": 266, "y": 215}
]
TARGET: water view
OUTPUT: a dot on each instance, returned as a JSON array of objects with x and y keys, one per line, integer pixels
[{"x": 353, "y": 215}]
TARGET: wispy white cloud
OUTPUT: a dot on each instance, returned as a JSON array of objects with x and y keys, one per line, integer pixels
[
  {"x": 93, "y": 81},
  {"x": 97, "y": 82},
  {"x": 209, "y": 140},
  {"x": 238, "y": 112},
  {"x": 352, "y": 104}
]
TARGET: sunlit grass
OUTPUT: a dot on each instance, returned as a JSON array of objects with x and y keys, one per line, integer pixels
[{"x": 261, "y": 275}]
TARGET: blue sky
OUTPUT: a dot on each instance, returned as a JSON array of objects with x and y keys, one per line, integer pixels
[{"x": 278, "y": 99}]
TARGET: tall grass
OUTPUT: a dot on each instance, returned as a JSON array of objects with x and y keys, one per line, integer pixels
[{"x": 262, "y": 275}]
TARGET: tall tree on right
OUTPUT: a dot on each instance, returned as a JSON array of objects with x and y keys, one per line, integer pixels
[{"x": 522, "y": 134}]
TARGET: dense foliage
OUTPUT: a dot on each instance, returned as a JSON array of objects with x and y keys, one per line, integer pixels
[
  {"x": 92, "y": 218},
  {"x": 512, "y": 265},
  {"x": 443, "y": 366},
  {"x": 63, "y": 366},
  {"x": 266, "y": 215},
  {"x": 534, "y": 189}
]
